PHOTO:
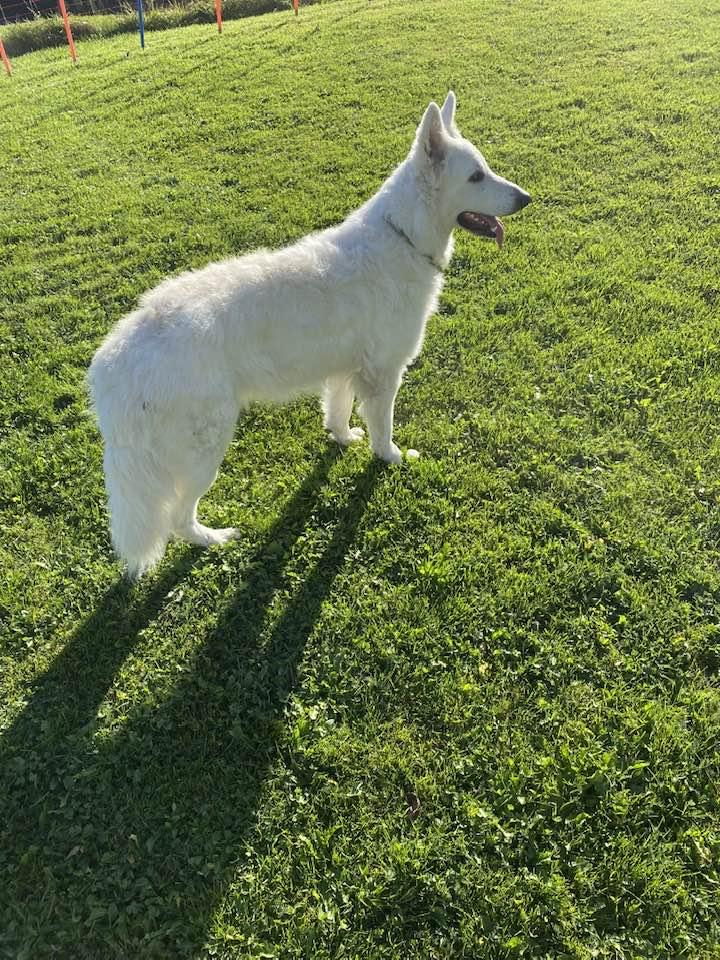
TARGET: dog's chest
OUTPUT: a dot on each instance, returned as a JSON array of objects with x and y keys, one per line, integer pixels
[{"x": 403, "y": 312}]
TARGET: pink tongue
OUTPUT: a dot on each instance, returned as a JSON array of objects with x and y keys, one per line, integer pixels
[{"x": 499, "y": 232}]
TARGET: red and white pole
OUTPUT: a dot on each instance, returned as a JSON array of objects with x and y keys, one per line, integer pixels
[
  {"x": 4, "y": 58},
  {"x": 68, "y": 31}
]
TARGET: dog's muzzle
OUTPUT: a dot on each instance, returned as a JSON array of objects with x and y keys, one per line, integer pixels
[
  {"x": 523, "y": 199},
  {"x": 482, "y": 225}
]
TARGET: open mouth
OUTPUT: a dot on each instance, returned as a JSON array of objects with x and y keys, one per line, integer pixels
[{"x": 483, "y": 226}]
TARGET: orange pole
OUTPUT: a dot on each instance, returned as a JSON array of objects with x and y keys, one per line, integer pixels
[
  {"x": 218, "y": 14},
  {"x": 296, "y": 4},
  {"x": 4, "y": 58},
  {"x": 68, "y": 31}
]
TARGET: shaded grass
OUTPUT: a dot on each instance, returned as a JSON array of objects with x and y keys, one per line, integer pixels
[{"x": 520, "y": 630}]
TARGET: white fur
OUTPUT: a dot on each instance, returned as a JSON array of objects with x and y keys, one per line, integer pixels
[{"x": 341, "y": 312}]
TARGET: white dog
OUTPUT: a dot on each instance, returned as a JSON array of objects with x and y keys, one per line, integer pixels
[{"x": 341, "y": 312}]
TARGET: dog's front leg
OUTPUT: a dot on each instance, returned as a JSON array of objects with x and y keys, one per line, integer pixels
[
  {"x": 338, "y": 398},
  {"x": 378, "y": 409}
]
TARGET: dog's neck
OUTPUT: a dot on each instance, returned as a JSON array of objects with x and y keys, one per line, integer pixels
[
  {"x": 401, "y": 233},
  {"x": 412, "y": 216}
]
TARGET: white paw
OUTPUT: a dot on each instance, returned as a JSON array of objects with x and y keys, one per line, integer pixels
[
  {"x": 391, "y": 454},
  {"x": 344, "y": 439},
  {"x": 218, "y": 537},
  {"x": 411, "y": 454},
  {"x": 207, "y": 537}
]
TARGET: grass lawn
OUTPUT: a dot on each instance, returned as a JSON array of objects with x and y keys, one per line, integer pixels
[
  {"x": 48, "y": 31},
  {"x": 518, "y": 633}
]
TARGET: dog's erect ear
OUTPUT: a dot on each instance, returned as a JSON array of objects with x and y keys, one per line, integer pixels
[
  {"x": 431, "y": 135},
  {"x": 448, "y": 114}
]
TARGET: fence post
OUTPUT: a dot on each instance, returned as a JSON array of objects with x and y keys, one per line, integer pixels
[
  {"x": 4, "y": 58},
  {"x": 141, "y": 22},
  {"x": 218, "y": 14},
  {"x": 68, "y": 31}
]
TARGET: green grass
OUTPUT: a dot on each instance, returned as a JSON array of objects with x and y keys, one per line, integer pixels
[
  {"x": 521, "y": 630},
  {"x": 42, "y": 32}
]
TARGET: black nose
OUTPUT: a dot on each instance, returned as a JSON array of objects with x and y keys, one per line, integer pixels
[{"x": 523, "y": 199}]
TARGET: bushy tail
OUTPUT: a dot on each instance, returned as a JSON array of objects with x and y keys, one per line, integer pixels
[{"x": 140, "y": 500}]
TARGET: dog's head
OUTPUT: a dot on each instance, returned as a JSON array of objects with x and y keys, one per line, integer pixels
[{"x": 468, "y": 192}]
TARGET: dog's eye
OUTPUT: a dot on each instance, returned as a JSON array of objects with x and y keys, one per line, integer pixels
[{"x": 477, "y": 176}]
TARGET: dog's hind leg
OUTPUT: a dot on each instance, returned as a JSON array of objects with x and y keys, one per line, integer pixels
[
  {"x": 186, "y": 525},
  {"x": 193, "y": 478},
  {"x": 338, "y": 398}
]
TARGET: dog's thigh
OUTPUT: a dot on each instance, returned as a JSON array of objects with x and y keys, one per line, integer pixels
[{"x": 197, "y": 441}]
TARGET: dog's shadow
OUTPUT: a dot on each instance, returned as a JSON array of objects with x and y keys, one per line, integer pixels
[{"x": 122, "y": 846}]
